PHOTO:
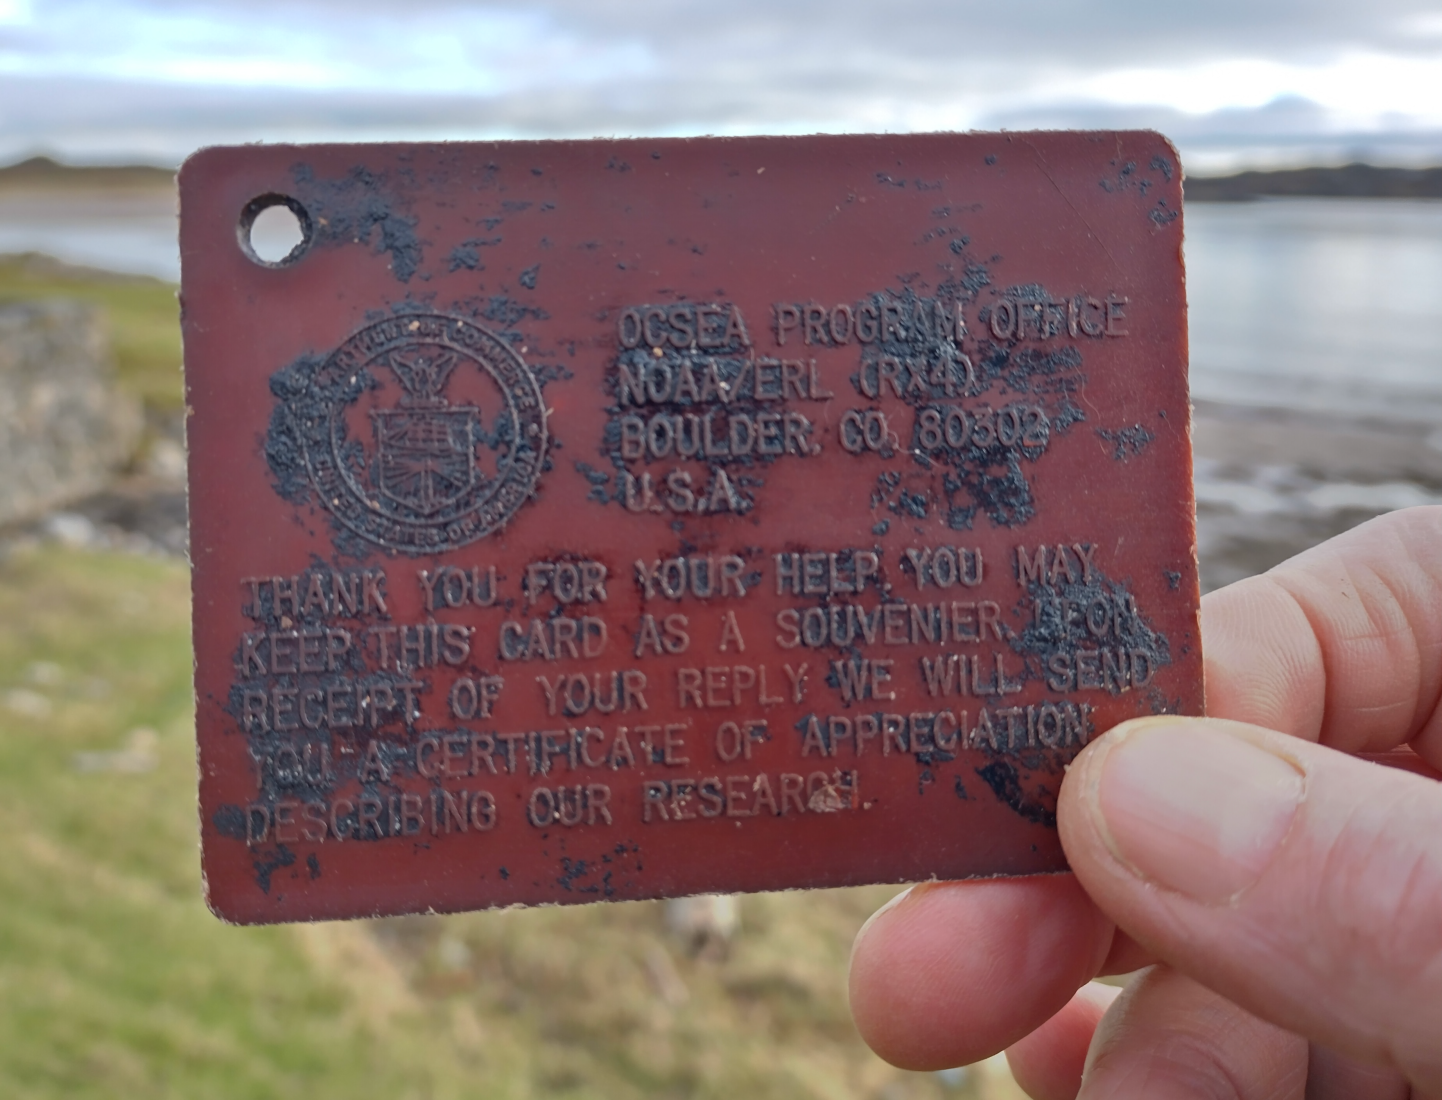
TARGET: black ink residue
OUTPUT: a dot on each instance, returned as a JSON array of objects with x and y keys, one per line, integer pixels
[
  {"x": 358, "y": 208},
  {"x": 1074, "y": 610},
  {"x": 229, "y": 821},
  {"x": 301, "y": 399},
  {"x": 1005, "y": 783},
  {"x": 507, "y": 312},
  {"x": 264, "y": 868},
  {"x": 308, "y": 765},
  {"x": 310, "y": 437},
  {"x": 982, "y": 418},
  {"x": 467, "y": 254},
  {"x": 284, "y": 452},
  {"x": 571, "y": 870},
  {"x": 1129, "y": 442},
  {"x": 699, "y": 392},
  {"x": 912, "y": 504},
  {"x": 1129, "y": 178},
  {"x": 598, "y": 480}
]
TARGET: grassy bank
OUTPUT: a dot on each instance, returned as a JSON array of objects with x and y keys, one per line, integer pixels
[
  {"x": 143, "y": 316},
  {"x": 116, "y": 982}
]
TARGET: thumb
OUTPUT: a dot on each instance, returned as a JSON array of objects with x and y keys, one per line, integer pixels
[{"x": 1300, "y": 883}]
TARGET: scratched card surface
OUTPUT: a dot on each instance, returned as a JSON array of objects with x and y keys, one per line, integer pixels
[{"x": 620, "y": 519}]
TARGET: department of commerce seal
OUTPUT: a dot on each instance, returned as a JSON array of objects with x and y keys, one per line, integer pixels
[{"x": 419, "y": 434}]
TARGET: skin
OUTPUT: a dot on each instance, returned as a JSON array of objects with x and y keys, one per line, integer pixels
[{"x": 1285, "y": 895}]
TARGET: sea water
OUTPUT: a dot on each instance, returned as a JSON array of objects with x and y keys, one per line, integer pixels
[{"x": 1326, "y": 305}]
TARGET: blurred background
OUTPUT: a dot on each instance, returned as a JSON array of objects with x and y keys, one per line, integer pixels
[{"x": 1311, "y": 134}]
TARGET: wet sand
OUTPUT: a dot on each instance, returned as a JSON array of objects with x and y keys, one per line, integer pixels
[
  {"x": 1272, "y": 482},
  {"x": 1331, "y": 448}
]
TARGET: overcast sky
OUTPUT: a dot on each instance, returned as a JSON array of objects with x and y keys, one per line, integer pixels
[{"x": 1233, "y": 82}]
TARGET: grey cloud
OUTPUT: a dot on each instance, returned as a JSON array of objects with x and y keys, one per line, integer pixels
[
  {"x": 1288, "y": 131},
  {"x": 1025, "y": 32},
  {"x": 95, "y": 118},
  {"x": 1288, "y": 118},
  {"x": 749, "y": 66},
  {"x": 1086, "y": 33}
]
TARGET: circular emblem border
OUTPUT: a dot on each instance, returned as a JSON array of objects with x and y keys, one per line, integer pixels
[{"x": 342, "y": 380}]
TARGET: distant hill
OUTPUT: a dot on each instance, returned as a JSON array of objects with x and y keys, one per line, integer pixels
[
  {"x": 1353, "y": 181},
  {"x": 44, "y": 174}
]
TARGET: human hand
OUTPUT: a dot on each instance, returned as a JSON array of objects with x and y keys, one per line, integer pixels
[{"x": 1287, "y": 895}]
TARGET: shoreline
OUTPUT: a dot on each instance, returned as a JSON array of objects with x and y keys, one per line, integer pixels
[
  {"x": 1271, "y": 483},
  {"x": 1327, "y": 446}
]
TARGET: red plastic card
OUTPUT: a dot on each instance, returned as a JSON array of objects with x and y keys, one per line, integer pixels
[{"x": 626, "y": 519}]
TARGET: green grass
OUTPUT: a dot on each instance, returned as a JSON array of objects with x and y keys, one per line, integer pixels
[
  {"x": 116, "y": 982},
  {"x": 143, "y": 316}
]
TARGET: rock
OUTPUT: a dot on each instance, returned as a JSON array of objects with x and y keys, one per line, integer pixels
[
  {"x": 139, "y": 755},
  {"x": 64, "y": 427},
  {"x": 27, "y": 703},
  {"x": 164, "y": 461},
  {"x": 704, "y": 924},
  {"x": 71, "y": 530}
]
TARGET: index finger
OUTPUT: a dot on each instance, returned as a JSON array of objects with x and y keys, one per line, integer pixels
[{"x": 1341, "y": 644}]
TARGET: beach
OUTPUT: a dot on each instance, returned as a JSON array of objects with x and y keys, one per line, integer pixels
[{"x": 1272, "y": 482}]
